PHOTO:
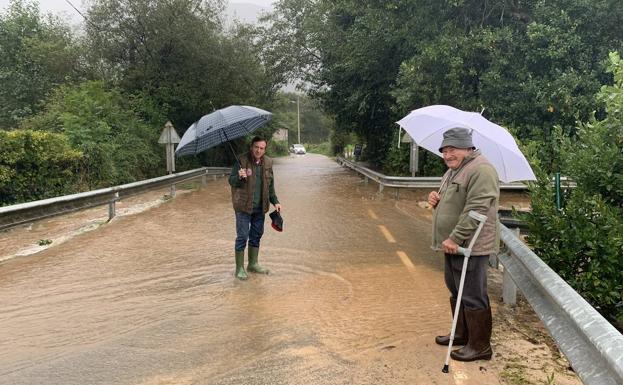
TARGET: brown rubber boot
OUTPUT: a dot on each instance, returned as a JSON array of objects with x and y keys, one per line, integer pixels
[
  {"x": 460, "y": 333},
  {"x": 478, "y": 346}
]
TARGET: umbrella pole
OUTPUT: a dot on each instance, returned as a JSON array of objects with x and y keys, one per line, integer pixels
[
  {"x": 233, "y": 152},
  {"x": 466, "y": 252}
]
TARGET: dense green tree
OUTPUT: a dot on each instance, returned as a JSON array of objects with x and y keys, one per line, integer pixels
[
  {"x": 37, "y": 54},
  {"x": 117, "y": 146},
  {"x": 176, "y": 53}
]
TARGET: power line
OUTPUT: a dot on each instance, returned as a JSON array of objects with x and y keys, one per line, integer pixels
[{"x": 81, "y": 14}]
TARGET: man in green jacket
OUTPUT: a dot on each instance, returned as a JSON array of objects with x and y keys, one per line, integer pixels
[
  {"x": 471, "y": 183},
  {"x": 252, "y": 190}
]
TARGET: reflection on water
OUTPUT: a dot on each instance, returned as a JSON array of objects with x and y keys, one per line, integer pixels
[{"x": 151, "y": 299}]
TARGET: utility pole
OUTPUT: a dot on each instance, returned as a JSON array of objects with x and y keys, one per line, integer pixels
[{"x": 298, "y": 118}]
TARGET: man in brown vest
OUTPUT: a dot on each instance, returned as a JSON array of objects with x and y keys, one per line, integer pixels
[
  {"x": 252, "y": 190},
  {"x": 471, "y": 183}
]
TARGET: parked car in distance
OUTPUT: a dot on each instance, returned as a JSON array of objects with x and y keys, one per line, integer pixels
[{"x": 297, "y": 149}]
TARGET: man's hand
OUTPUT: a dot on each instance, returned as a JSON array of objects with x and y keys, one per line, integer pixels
[
  {"x": 242, "y": 173},
  {"x": 278, "y": 207},
  {"x": 449, "y": 247},
  {"x": 433, "y": 199}
]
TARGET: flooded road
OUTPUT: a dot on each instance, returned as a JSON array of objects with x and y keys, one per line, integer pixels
[{"x": 355, "y": 295}]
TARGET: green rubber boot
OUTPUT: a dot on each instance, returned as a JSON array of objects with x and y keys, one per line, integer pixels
[
  {"x": 253, "y": 266},
  {"x": 240, "y": 273}
]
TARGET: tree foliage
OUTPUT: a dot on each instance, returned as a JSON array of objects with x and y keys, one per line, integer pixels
[
  {"x": 117, "y": 146},
  {"x": 531, "y": 65},
  {"x": 583, "y": 241},
  {"x": 37, "y": 54},
  {"x": 177, "y": 53}
]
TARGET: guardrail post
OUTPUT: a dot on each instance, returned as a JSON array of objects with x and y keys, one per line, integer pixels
[
  {"x": 509, "y": 289},
  {"x": 381, "y": 188},
  {"x": 397, "y": 193},
  {"x": 173, "y": 190},
  {"x": 493, "y": 261},
  {"x": 112, "y": 206},
  {"x": 365, "y": 180}
]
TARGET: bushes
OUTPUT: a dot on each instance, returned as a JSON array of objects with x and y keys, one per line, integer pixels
[
  {"x": 583, "y": 242},
  {"x": 36, "y": 165},
  {"x": 117, "y": 146},
  {"x": 277, "y": 148},
  {"x": 319, "y": 148}
]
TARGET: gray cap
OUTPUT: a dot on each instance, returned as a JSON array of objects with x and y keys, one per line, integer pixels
[{"x": 457, "y": 137}]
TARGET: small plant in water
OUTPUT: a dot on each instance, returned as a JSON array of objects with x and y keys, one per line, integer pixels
[
  {"x": 44, "y": 242},
  {"x": 550, "y": 379}
]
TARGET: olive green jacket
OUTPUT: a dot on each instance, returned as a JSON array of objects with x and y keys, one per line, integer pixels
[
  {"x": 243, "y": 191},
  {"x": 474, "y": 186}
]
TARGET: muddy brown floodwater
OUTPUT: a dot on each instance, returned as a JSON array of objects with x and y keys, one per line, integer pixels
[{"x": 355, "y": 295}]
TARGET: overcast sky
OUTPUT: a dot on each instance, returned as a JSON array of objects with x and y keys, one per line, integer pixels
[{"x": 62, "y": 7}]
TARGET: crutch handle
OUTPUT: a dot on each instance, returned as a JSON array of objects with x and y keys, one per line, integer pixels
[
  {"x": 464, "y": 251},
  {"x": 477, "y": 216}
]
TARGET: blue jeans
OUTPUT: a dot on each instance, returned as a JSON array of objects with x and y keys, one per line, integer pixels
[{"x": 249, "y": 227}]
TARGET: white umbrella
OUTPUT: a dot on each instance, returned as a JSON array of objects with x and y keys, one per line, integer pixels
[{"x": 426, "y": 126}]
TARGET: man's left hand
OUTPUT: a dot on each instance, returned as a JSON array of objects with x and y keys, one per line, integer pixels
[
  {"x": 278, "y": 207},
  {"x": 449, "y": 246}
]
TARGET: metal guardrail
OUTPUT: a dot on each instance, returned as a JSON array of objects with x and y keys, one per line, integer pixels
[
  {"x": 431, "y": 182},
  {"x": 591, "y": 344},
  {"x": 18, "y": 214}
]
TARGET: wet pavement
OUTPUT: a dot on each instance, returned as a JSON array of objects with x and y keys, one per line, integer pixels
[{"x": 355, "y": 295}]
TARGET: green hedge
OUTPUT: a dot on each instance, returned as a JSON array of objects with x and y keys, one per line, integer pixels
[{"x": 36, "y": 165}]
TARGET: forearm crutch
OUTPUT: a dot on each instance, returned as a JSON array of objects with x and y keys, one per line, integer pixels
[{"x": 466, "y": 252}]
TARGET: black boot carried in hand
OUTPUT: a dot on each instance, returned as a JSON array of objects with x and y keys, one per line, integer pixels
[
  {"x": 478, "y": 346},
  {"x": 460, "y": 333}
]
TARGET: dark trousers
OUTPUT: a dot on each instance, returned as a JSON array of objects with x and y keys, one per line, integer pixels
[
  {"x": 475, "y": 287},
  {"x": 249, "y": 227}
]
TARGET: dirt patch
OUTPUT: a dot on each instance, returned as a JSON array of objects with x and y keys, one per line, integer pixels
[{"x": 525, "y": 353}]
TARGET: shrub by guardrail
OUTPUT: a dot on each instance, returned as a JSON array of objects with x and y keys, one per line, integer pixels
[{"x": 36, "y": 165}]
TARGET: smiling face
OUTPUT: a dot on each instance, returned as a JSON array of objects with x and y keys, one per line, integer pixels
[
  {"x": 453, "y": 157},
  {"x": 258, "y": 149}
]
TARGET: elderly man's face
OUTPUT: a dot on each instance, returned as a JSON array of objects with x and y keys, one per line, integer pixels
[{"x": 454, "y": 156}]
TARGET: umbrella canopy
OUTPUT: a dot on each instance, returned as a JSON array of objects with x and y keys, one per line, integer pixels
[
  {"x": 221, "y": 126},
  {"x": 426, "y": 126}
]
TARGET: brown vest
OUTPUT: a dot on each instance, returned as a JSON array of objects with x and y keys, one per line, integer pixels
[{"x": 242, "y": 197}]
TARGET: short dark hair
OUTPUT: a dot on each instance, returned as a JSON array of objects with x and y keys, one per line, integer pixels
[{"x": 258, "y": 139}]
